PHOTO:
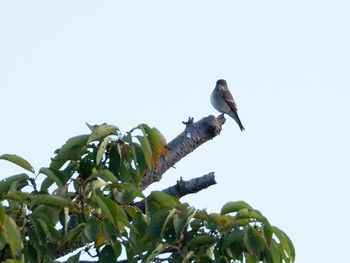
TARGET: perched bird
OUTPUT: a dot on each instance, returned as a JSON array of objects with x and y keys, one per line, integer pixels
[{"x": 222, "y": 100}]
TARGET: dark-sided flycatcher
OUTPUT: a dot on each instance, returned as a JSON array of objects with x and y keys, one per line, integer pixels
[{"x": 222, "y": 100}]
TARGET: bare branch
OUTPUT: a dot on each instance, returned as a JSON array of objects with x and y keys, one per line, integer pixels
[
  {"x": 194, "y": 135},
  {"x": 192, "y": 186},
  {"x": 183, "y": 188}
]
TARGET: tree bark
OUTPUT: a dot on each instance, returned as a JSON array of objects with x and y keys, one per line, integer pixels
[{"x": 194, "y": 135}]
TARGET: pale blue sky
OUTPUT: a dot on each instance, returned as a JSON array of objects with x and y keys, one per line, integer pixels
[{"x": 287, "y": 63}]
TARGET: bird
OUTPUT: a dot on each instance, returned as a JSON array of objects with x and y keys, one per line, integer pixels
[{"x": 222, "y": 100}]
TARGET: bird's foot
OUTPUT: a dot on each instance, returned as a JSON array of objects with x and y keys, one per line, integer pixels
[{"x": 221, "y": 118}]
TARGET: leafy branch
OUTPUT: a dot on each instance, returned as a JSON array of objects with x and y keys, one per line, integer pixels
[{"x": 91, "y": 196}]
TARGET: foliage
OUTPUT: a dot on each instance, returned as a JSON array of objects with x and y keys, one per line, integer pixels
[{"x": 87, "y": 198}]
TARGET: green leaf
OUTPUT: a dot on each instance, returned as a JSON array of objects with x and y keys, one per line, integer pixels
[
  {"x": 127, "y": 155},
  {"x": 251, "y": 258},
  {"x": 13, "y": 236},
  {"x": 102, "y": 131},
  {"x": 124, "y": 193},
  {"x": 41, "y": 230},
  {"x": 101, "y": 149},
  {"x": 146, "y": 149},
  {"x": 231, "y": 237},
  {"x": 93, "y": 186},
  {"x": 46, "y": 184},
  {"x": 110, "y": 233},
  {"x": 73, "y": 149},
  {"x": 2, "y": 215},
  {"x": 112, "y": 211},
  {"x": 272, "y": 253},
  {"x": 124, "y": 174},
  {"x": 285, "y": 241},
  {"x": 18, "y": 196},
  {"x": 13, "y": 261},
  {"x": 157, "y": 251},
  {"x": 6, "y": 183},
  {"x": 214, "y": 220},
  {"x": 167, "y": 222},
  {"x": 162, "y": 142},
  {"x": 47, "y": 213},
  {"x": 86, "y": 165},
  {"x": 157, "y": 226},
  {"x": 153, "y": 142},
  {"x": 245, "y": 213},
  {"x": 163, "y": 199},
  {"x": 18, "y": 185},
  {"x": 196, "y": 224},
  {"x": 284, "y": 256},
  {"x": 18, "y": 160},
  {"x": 253, "y": 241},
  {"x": 267, "y": 232},
  {"x": 114, "y": 158},
  {"x": 201, "y": 239},
  {"x": 68, "y": 150},
  {"x": 30, "y": 253},
  {"x": 53, "y": 235},
  {"x": 232, "y": 207},
  {"x": 93, "y": 228},
  {"x": 275, "y": 252},
  {"x": 139, "y": 158},
  {"x": 74, "y": 258},
  {"x": 107, "y": 255},
  {"x": 52, "y": 200},
  {"x": 140, "y": 223},
  {"x": 236, "y": 248},
  {"x": 71, "y": 237},
  {"x": 105, "y": 175},
  {"x": 50, "y": 174},
  {"x": 181, "y": 222}
]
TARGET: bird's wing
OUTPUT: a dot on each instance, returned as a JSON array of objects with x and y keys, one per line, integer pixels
[
  {"x": 232, "y": 105},
  {"x": 229, "y": 99}
]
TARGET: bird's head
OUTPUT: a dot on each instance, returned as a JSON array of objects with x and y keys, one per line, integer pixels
[{"x": 221, "y": 82}]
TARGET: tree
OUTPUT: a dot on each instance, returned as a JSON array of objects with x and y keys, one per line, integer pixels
[{"x": 91, "y": 198}]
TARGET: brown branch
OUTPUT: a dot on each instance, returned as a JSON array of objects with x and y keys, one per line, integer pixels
[
  {"x": 194, "y": 135},
  {"x": 192, "y": 186},
  {"x": 183, "y": 188}
]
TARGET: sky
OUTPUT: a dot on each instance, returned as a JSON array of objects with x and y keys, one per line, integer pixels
[{"x": 287, "y": 64}]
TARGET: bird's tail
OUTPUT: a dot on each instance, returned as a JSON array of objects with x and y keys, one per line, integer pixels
[
  {"x": 241, "y": 126},
  {"x": 234, "y": 115}
]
